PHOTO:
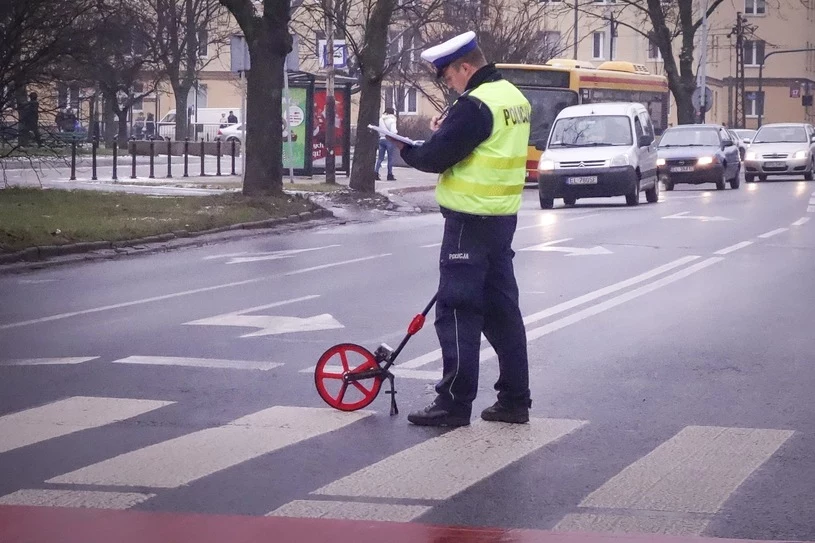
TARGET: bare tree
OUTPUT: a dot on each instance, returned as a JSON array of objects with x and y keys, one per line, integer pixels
[
  {"x": 370, "y": 29},
  {"x": 181, "y": 35},
  {"x": 36, "y": 36},
  {"x": 508, "y": 31},
  {"x": 268, "y": 39},
  {"x": 672, "y": 28}
]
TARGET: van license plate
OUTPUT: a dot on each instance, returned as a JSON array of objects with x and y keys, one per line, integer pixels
[
  {"x": 682, "y": 169},
  {"x": 586, "y": 180},
  {"x": 775, "y": 164}
]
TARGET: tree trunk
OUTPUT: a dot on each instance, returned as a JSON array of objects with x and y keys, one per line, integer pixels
[
  {"x": 182, "y": 127},
  {"x": 109, "y": 121},
  {"x": 123, "y": 128},
  {"x": 372, "y": 66},
  {"x": 264, "y": 103}
]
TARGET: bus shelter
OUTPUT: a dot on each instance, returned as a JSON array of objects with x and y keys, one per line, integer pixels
[{"x": 305, "y": 120}]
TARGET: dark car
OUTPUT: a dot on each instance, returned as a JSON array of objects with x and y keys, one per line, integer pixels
[{"x": 696, "y": 154}]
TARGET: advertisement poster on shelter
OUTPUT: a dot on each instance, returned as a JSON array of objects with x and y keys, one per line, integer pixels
[
  {"x": 318, "y": 149},
  {"x": 294, "y": 122}
]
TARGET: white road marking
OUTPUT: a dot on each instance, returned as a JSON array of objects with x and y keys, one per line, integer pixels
[
  {"x": 240, "y": 258},
  {"x": 430, "y": 245},
  {"x": 691, "y": 474},
  {"x": 772, "y": 233},
  {"x": 66, "y": 417},
  {"x": 47, "y": 361},
  {"x": 551, "y": 246},
  {"x": 349, "y": 510},
  {"x": 324, "y": 266},
  {"x": 801, "y": 221},
  {"x": 443, "y": 466},
  {"x": 398, "y": 371},
  {"x": 198, "y": 362},
  {"x": 94, "y": 499},
  {"x": 179, "y": 294},
  {"x": 732, "y": 248},
  {"x": 643, "y": 523},
  {"x": 268, "y": 325},
  {"x": 570, "y": 304},
  {"x": 703, "y": 218},
  {"x": 179, "y": 461}
]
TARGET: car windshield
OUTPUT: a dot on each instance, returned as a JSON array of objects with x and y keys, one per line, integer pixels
[
  {"x": 690, "y": 137},
  {"x": 781, "y": 134},
  {"x": 546, "y": 104},
  {"x": 745, "y": 134},
  {"x": 592, "y": 131}
]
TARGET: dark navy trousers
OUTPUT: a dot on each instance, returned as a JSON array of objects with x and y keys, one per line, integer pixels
[{"x": 478, "y": 293}]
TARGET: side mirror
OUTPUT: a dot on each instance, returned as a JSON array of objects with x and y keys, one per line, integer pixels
[
  {"x": 540, "y": 145},
  {"x": 727, "y": 143},
  {"x": 812, "y": 138},
  {"x": 645, "y": 140},
  {"x": 746, "y": 141}
]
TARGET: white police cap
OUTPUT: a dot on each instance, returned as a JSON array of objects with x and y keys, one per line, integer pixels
[{"x": 443, "y": 54}]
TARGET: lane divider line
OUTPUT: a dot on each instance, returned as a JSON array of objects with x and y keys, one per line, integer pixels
[
  {"x": 772, "y": 233},
  {"x": 736, "y": 247}
]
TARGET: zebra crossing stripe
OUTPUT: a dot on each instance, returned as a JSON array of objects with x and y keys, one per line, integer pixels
[
  {"x": 443, "y": 466},
  {"x": 350, "y": 510},
  {"x": 422, "y": 375},
  {"x": 689, "y": 476},
  {"x": 66, "y": 417},
  {"x": 74, "y": 498},
  {"x": 199, "y": 362},
  {"x": 179, "y": 461},
  {"x": 48, "y": 361}
]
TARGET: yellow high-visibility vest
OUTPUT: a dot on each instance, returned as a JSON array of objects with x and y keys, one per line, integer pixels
[{"x": 490, "y": 180}]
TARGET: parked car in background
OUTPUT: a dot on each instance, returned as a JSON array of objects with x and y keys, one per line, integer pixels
[
  {"x": 232, "y": 132},
  {"x": 746, "y": 135},
  {"x": 781, "y": 149},
  {"x": 739, "y": 143},
  {"x": 698, "y": 153}
]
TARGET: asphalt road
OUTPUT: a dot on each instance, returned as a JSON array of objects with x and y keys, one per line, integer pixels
[{"x": 671, "y": 370}]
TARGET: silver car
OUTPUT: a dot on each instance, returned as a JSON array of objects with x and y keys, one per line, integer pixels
[{"x": 781, "y": 149}]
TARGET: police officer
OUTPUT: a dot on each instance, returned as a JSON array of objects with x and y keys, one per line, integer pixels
[{"x": 479, "y": 149}]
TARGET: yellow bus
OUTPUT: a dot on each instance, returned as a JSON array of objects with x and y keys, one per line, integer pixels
[{"x": 563, "y": 82}]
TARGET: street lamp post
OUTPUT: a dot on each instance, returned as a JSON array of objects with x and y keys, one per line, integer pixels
[{"x": 761, "y": 77}]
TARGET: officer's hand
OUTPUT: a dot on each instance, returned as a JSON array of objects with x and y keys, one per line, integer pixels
[{"x": 435, "y": 123}]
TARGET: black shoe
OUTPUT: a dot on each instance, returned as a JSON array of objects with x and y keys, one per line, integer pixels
[
  {"x": 377, "y": 177},
  {"x": 433, "y": 415},
  {"x": 500, "y": 413},
  {"x": 391, "y": 178}
]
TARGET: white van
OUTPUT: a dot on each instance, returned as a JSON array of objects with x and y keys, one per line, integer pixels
[
  {"x": 208, "y": 119},
  {"x": 599, "y": 150}
]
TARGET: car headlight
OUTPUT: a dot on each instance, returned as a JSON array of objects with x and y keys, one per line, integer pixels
[
  {"x": 750, "y": 156},
  {"x": 546, "y": 165},
  {"x": 619, "y": 160},
  {"x": 705, "y": 160},
  {"x": 801, "y": 154},
  {"x": 660, "y": 162}
]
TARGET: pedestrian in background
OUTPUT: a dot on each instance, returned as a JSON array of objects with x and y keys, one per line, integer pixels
[
  {"x": 232, "y": 119},
  {"x": 388, "y": 122},
  {"x": 480, "y": 151},
  {"x": 150, "y": 127}
]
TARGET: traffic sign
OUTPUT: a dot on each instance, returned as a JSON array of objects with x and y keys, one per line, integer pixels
[{"x": 696, "y": 98}]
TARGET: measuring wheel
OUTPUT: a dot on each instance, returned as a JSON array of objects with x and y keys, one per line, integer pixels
[{"x": 348, "y": 377}]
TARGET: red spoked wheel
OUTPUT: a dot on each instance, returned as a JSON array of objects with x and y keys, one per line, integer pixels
[{"x": 329, "y": 377}]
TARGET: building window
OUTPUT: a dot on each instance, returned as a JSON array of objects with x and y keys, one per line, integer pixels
[
  {"x": 551, "y": 41},
  {"x": 755, "y": 7},
  {"x": 754, "y": 102},
  {"x": 402, "y": 99},
  {"x": 403, "y": 47},
  {"x": 138, "y": 90},
  {"x": 653, "y": 51},
  {"x": 598, "y": 45},
  {"x": 753, "y": 53},
  {"x": 203, "y": 42}
]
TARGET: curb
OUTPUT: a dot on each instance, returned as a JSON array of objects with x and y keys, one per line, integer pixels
[
  {"x": 36, "y": 257},
  {"x": 408, "y": 190}
]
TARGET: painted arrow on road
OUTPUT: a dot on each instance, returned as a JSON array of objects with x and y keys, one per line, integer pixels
[
  {"x": 684, "y": 215},
  {"x": 551, "y": 246},
  {"x": 241, "y": 258},
  {"x": 268, "y": 325}
]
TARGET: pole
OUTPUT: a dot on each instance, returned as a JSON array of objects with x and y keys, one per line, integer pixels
[
  {"x": 330, "y": 106},
  {"x": 288, "y": 123},
  {"x": 243, "y": 127},
  {"x": 703, "y": 106},
  {"x": 574, "y": 31},
  {"x": 611, "y": 37}
]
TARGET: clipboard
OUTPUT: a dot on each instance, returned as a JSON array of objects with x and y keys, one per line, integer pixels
[{"x": 389, "y": 134}]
